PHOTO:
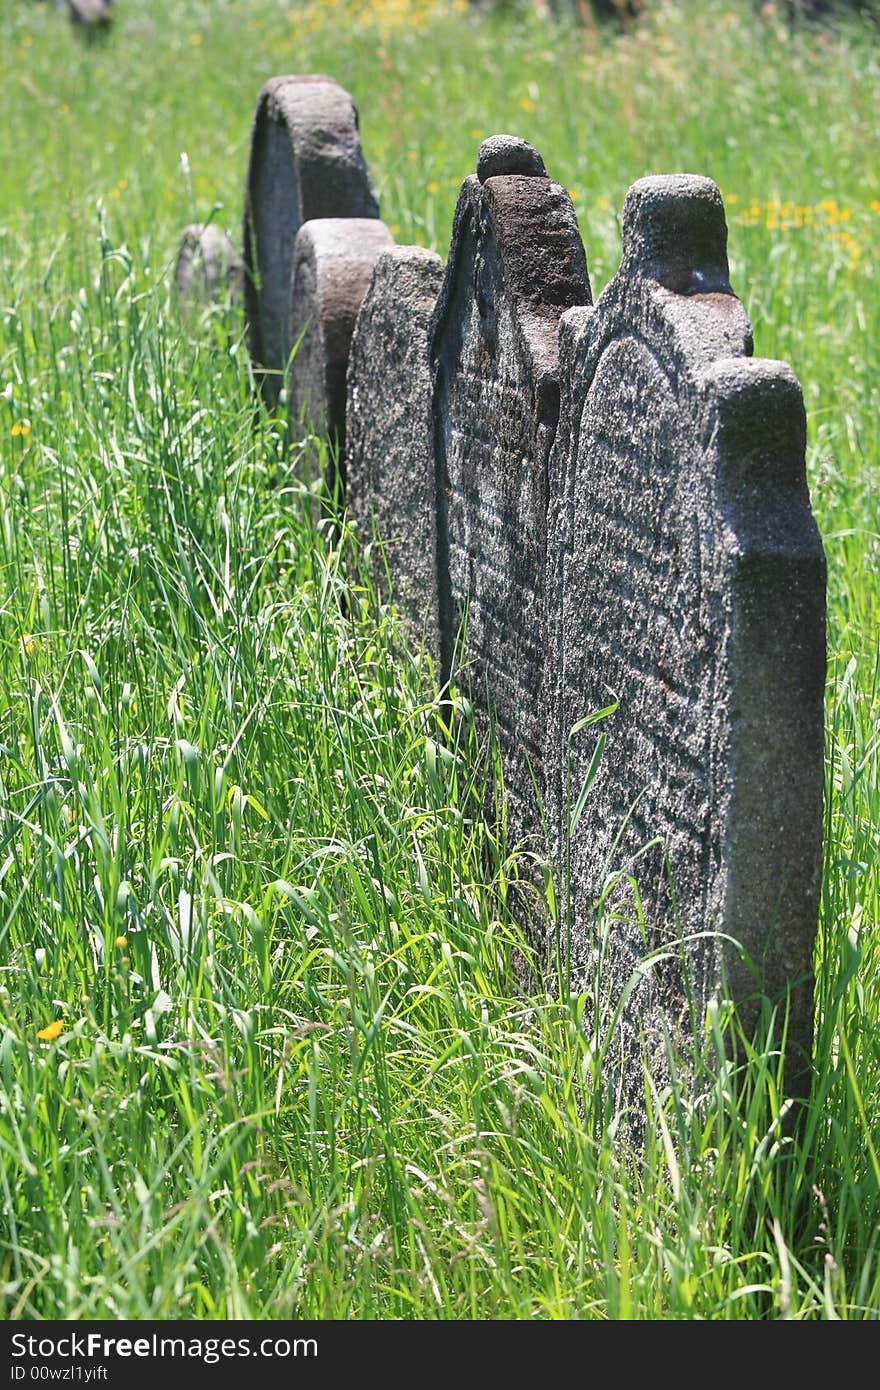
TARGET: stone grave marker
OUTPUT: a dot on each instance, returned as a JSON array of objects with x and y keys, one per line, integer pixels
[
  {"x": 390, "y": 483},
  {"x": 90, "y": 15},
  {"x": 686, "y": 580},
  {"x": 515, "y": 264},
  {"x": 333, "y": 261},
  {"x": 208, "y": 265},
  {"x": 305, "y": 162}
]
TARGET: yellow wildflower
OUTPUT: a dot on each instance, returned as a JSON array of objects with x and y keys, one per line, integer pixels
[
  {"x": 433, "y": 187},
  {"x": 50, "y": 1033},
  {"x": 27, "y": 644},
  {"x": 526, "y": 104},
  {"x": 195, "y": 40},
  {"x": 121, "y": 941}
]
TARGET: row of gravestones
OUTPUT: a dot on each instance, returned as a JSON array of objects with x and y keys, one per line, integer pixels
[{"x": 586, "y": 507}]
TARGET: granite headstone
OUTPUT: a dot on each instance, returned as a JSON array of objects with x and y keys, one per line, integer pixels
[
  {"x": 305, "y": 162},
  {"x": 333, "y": 260},
  {"x": 686, "y": 583},
  {"x": 390, "y": 484},
  {"x": 516, "y": 263}
]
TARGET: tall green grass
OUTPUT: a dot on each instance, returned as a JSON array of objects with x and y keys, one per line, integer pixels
[{"x": 243, "y": 870}]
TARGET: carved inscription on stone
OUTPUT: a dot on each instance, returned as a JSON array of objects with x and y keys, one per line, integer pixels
[
  {"x": 685, "y": 583},
  {"x": 515, "y": 264},
  {"x": 390, "y": 486}
]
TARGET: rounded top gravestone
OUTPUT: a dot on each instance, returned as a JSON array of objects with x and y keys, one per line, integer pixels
[{"x": 305, "y": 162}]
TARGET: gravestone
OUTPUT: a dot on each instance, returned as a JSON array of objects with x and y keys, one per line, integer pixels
[
  {"x": 90, "y": 14},
  {"x": 515, "y": 264},
  {"x": 390, "y": 483},
  {"x": 333, "y": 260},
  {"x": 686, "y": 580},
  {"x": 305, "y": 162},
  {"x": 208, "y": 265}
]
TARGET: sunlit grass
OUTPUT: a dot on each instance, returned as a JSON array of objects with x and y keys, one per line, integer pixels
[{"x": 261, "y": 1051}]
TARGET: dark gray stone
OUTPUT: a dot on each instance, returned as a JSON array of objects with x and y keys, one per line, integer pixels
[
  {"x": 305, "y": 162},
  {"x": 333, "y": 260},
  {"x": 390, "y": 484},
  {"x": 208, "y": 266},
  {"x": 686, "y": 580},
  {"x": 515, "y": 264},
  {"x": 508, "y": 154}
]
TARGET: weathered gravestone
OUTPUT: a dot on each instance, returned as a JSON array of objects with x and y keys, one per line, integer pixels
[
  {"x": 333, "y": 260},
  {"x": 208, "y": 265},
  {"x": 390, "y": 484},
  {"x": 686, "y": 579},
  {"x": 515, "y": 264},
  {"x": 305, "y": 162},
  {"x": 90, "y": 15}
]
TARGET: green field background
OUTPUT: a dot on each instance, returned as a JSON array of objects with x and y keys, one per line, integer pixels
[{"x": 246, "y": 895}]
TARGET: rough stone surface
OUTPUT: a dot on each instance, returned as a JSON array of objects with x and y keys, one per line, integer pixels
[
  {"x": 508, "y": 154},
  {"x": 333, "y": 261},
  {"x": 686, "y": 580},
  {"x": 390, "y": 482},
  {"x": 305, "y": 162},
  {"x": 208, "y": 265},
  {"x": 516, "y": 263}
]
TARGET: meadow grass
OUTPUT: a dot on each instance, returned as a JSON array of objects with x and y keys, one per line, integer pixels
[{"x": 246, "y": 892}]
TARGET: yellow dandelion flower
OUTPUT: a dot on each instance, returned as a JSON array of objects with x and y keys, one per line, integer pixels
[
  {"x": 526, "y": 104},
  {"x": 394, "y": 229},
  {"x": 433, "y": 187},
  {"x": 121, "y": 941},
  {"x": 573, "y": 194},
  {"x": 16, "y": 430},
  {"x": 28, "y": 645},
  {"x": 476, "y": 134},
  {"x": 50, "y": 1033},
  {"x": 195, "y": 40},
  {"x": 603, "y": 203},
  {"x": 731, "y": 200},
  {"x": 875, "y": 205}
]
